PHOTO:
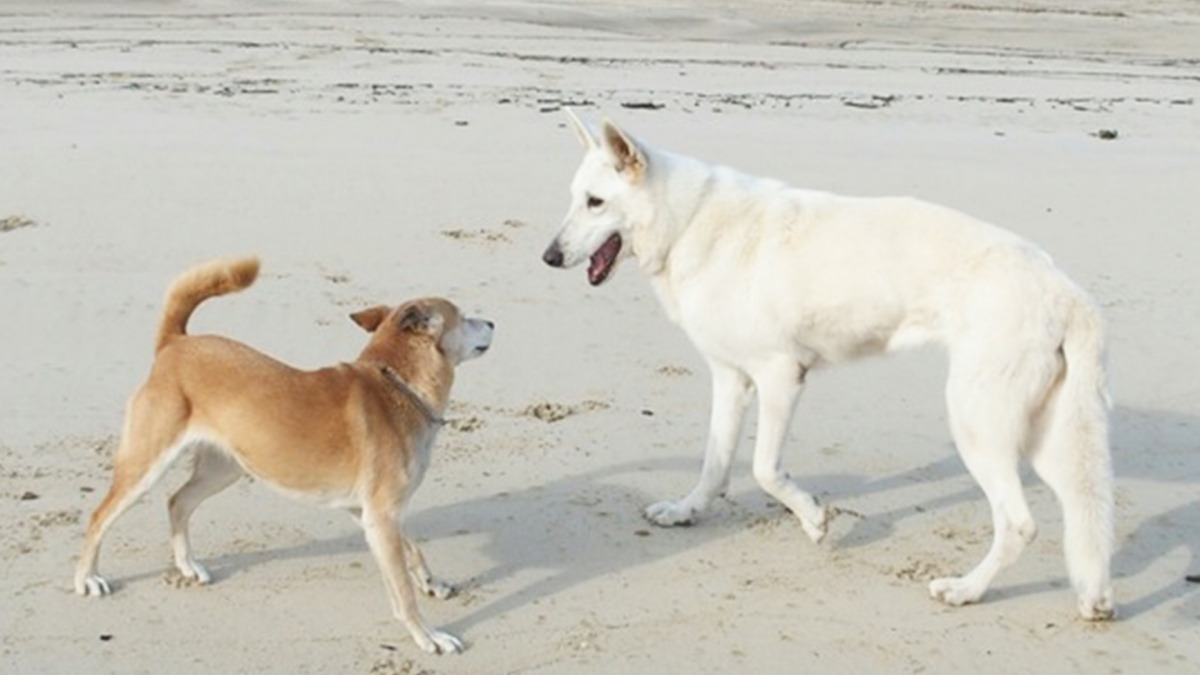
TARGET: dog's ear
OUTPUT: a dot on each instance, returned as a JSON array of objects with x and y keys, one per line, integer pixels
[
  {"x": 586, "y": 139},
  {"x": 417, "y": 319},
  {"x": 631, "y": 163},
  {"x": 370, "y": 318}
]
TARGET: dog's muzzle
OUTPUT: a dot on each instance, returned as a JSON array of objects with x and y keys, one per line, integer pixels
[{"x": 553, "y": 255}]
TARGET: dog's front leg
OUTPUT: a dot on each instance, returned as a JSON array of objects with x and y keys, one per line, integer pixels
[
  {"x": 388, "y": 547},
  {"x": 731, "y": 394},
  {"x": 779, "y": 387},
  {"x": 421, "y": 575}
]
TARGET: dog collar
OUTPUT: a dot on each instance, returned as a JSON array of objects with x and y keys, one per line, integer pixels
[{"x": 391, "y": 376}]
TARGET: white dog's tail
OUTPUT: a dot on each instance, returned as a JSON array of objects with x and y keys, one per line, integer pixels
[
  {"x": 1074, "y": 459},
  {"x": 196, "y": 285}
]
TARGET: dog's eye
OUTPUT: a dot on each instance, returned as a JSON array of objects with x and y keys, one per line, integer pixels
[{"x": 594, "y": 202}]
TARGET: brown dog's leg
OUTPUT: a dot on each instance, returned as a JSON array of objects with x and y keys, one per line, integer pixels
[
  {"x": 149, "y": 443},
  {"x": 213, "y": 472},
  {"x": 389, "y": 549},
  {"x": 420, "y": 574}
]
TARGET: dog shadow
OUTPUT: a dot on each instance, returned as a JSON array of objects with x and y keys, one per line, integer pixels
[
  {"x": 568, "y": 532},
  {"x": 1148, "y": 445},
  {"x": 589, "y": 525},
  {"x": 1160, "y": 447},
  {"x": 571, "y": 530}
]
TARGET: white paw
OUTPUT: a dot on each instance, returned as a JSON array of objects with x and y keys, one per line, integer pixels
[
  {"x": 94, "y": 585},
  {"x": 194, "y": 571},
  {"x": 670, "y": 514},
  {"x": 437, "y": 642},
  {"x": 1098, "y": 608},
  {"x": 954, "y": 591},
  {"x": 817, "y": 529}
]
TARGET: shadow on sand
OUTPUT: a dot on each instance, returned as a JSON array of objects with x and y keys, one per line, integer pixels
[{"x": 551, "y": 519}]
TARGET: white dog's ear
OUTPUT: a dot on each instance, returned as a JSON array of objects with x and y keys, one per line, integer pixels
[
  {"x": 586, "y": 139},
  {"x": 631, "y": 163},
  {"x": 370, "y": 318}
]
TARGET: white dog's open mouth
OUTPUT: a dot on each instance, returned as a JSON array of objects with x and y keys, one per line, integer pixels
[{"x": 603, "y": 260}]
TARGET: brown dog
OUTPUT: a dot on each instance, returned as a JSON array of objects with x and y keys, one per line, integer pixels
[{"x": 355, "y": 436}]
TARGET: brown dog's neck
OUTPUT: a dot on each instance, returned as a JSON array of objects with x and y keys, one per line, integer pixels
[
  {"x": 396, "y": 381},
  {"x": 415, "y": 371}
]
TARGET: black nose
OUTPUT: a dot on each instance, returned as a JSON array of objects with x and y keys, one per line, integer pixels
[
  {"x": 553, "y": 255},
  {"x": 490, "y": 324}
]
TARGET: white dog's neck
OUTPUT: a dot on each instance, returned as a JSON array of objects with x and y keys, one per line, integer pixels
[
  {"x": 678, "y": 205},
  {"x": 669, "y": 214}
]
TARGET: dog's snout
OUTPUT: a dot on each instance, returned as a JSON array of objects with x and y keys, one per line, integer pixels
[{"x": 553, "y": 255}]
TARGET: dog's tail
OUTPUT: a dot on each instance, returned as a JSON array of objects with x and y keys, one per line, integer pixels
[
  {"x": 1075, "y": 460},
  {"x": 206, "y": 280}
]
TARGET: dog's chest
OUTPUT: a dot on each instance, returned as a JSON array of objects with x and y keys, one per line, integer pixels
[
  {"x": 418, "y": 463},
  {"x": 718, "y": 322}
]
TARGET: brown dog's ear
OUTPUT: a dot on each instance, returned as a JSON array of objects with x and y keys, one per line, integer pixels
[
  {"x": 421, "y": 320},
  {"x": 370, "y": 318},
  {"x": 631, "y": 163}
]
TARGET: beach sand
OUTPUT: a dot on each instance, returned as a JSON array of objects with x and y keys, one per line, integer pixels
[{"x": 375, "y": 151}]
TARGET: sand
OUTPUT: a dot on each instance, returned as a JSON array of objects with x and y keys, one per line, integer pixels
[{"x": 375, "y": 151}]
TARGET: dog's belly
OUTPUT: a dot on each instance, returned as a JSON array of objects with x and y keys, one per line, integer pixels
[
  {"x": 295, "y": 475},
  {"x": 334, "y": 499},
  {"x": 746, "y": 332}
]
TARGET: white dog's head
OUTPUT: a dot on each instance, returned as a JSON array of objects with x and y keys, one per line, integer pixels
[{"x": 607, "y": 202}]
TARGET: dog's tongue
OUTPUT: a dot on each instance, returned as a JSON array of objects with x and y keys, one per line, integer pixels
[{"x": 603, "y": 259}]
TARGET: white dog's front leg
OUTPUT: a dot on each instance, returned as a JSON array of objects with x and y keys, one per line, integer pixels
[
  {"x": 731, "y": 394},
  {"x": 778, "y": 389}
]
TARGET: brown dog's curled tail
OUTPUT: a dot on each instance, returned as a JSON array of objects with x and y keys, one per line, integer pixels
[{"x": 206, "y": 280}]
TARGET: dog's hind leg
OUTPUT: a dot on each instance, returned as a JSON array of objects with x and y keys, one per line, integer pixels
[
  {"x": 149, "y": 444},
  {"x": 731, "y": 394},
  {"x": 1073, "y": 458},
  {"x": 989, "y": 417},
  {"x": 779, "y": 387},
  {"x": 213, "y": 472},
  {"x": 1085, "y": 495}
]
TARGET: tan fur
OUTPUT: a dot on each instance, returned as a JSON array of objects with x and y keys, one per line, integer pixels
[
  {"x": 211, "y": 279},
  {"x": 346, "y": 436}
]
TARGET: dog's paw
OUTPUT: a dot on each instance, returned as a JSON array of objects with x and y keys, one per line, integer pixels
[
  {"x": 94, "y": 585},
  {"x": 671, "y": 514},
  {"x": 438, "y": 642},
  {"x": 194, "y": 572},
  {"x": 1097, "y": 608},
  {"x": 437, "y": 589},
  {"x": 954, "y": 591},
  {"x": 817, "y": 528}
]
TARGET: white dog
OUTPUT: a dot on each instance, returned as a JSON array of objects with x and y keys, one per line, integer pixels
[{"x": 770, "y": 281}]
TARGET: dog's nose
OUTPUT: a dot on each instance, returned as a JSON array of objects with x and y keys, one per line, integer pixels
[
  {"x": 553, "y": 255},
  {"x": 490, "y": 325}
]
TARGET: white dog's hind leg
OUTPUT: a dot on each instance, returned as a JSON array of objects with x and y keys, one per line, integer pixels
[
  {"x": 778, "y": 389},
  {"x": 213, "y": 472},
  {"x": 988, "y": 420},
  {"x": 731, "y": 394},
  {"x": 1073, "y": 459}
]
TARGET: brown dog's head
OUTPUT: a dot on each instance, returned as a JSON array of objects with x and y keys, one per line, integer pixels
[{"x": 456, "y": 337}]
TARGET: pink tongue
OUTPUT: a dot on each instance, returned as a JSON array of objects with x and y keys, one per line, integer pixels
[
  {"x": 597, "y": 271},
  {"x": 602, "y": 260}
]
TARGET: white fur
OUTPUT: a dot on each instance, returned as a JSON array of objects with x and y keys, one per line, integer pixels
[{"x": 770, "y": 281}]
